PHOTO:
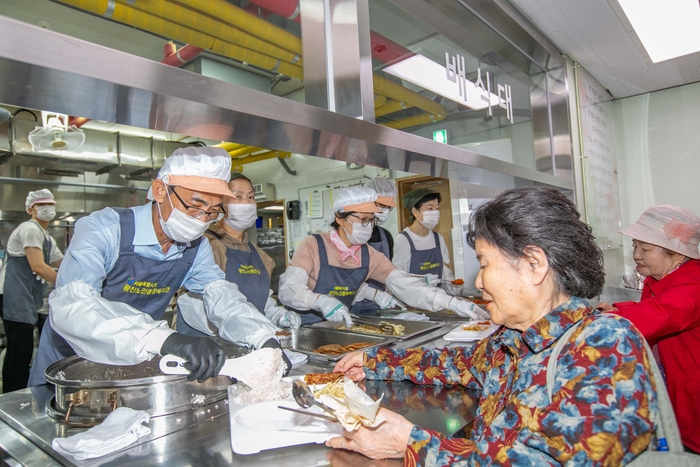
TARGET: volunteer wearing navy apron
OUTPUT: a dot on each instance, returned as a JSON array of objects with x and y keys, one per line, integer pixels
[
  {"x": 372, "y": 296},
  {"x": 30, "y": 252},
  {"x": 244, "y": 263},
  {"x": 419, "y": 250},
  {"x": 328, "y": 269},
  {"x": 124, "y": 265}
]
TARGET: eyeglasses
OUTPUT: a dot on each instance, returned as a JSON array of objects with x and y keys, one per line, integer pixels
[
  {"x": 199, "y": 214},
  {"x": 366, "y": 221}
]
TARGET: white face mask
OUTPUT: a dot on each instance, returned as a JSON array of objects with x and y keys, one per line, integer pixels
[
  {"x": 383, "y": 216},
  {"x": 430, "y": 219},
  {"x": 180, "y": 227},
  {"x": 45, "y": 213},
  {"x": 241, "y": 215},
  {"x": 360, "y": 235}
]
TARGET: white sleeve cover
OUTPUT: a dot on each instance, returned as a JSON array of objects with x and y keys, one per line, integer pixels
[
  {"x": 447, "y": 273},
  {"x": 191, "y": 308},
  {"x": 272, "y": 308},
  {"x": 294, "y": 289},
  {"x": 365, "y": 292},
  {"x": 104, "y": 331},
  {"x": 416, "y": 293},
  {"x": 237, "y": 320}
]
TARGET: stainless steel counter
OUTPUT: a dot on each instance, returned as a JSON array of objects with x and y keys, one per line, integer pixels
[{"x": 26, "y": 432}]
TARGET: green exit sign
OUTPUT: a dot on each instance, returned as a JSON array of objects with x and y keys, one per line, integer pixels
[{"x": 440, "y": 136}]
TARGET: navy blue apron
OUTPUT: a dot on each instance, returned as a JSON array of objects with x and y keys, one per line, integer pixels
[
  {"x": 245, "y": 269},
  {"x": 336, "y": 282},
  {"x": 23, "y": 294},
  {"x": 144, "y": 283},
  {"x": 368, "y": 307},
  {"x": 425, "y": 261}
]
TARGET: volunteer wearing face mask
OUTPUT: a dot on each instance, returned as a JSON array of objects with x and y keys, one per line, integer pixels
[
  {"x": 372, "y": 295},
  {"x": 30, "y": 253},
  {"x": 244, "y": 263},
  {"x": 420, "y": 250},
  {"x": 123, "y": 267},
  {"x": 328, "y": 269}
]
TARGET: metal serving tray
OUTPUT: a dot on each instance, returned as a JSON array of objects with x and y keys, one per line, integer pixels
[
  {"x": 306, "y": 339},
  {"x": 411, "y": 328}
]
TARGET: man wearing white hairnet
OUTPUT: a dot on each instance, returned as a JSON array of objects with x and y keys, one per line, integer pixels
[
  {"x": 31, "y": 252},
  {"x": 123, "y": 267},
  {"x": 328, "y": 269}
]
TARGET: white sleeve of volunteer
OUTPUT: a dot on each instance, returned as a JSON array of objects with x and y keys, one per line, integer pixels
[
  {"x": 104, "y": 331},
  {"x": 237, "y": 320},
  {"x": 365, "y": 292},
  {"x": 402, "y": 253},
  {"x": 191, "y": 308},
  {"x": 447, "y": 274},
  {"x": 294, "y": 289},
  {"x": 416, "y": 293},
  {"x": 444, "y": 251}
]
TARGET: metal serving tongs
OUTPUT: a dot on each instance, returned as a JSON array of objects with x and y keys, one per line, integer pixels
[{"x": 385, "y": 328}]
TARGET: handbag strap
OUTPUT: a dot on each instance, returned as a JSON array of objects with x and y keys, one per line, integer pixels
[{"x": 667, "y": 432}]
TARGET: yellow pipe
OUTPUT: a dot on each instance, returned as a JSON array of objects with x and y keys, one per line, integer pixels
[
  {"x": 414, "y": 121},
  {"x": 138, "y": 19},
  {"x": 399, "y": 93},
  {"x": 390, "y": 107},
  {"x": 263, "y": 157},
  {"x": 379, "y": 100},
  {"x": 229, "y": 146},
  {"x": 224, "y": 11},
  {"x": 244, "y": 151},
  {"x": 210, "y": 26}
]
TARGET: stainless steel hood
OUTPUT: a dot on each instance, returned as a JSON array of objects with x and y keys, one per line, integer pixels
[{"x": 80, "y": 78}]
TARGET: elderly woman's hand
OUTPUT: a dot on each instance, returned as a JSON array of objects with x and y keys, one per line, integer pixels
[
  {"x": 352, "y": 366},
  {"x": 388, "y": 440},
  {"x": 603, "y": 306}
]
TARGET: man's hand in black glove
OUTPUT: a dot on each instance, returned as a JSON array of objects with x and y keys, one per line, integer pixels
[
  {"x": 205, "y": 357},
  {"x": 274, "y": 344}
]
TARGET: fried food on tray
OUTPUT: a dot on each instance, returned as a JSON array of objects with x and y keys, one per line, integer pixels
[
  {"x": 323, "y": 378},
  {"x": 479, "y": 326},
  {"x": 397, "y": 329},
  {"x": 458, "y": 282},
  {"x": 337, "y": 349}
]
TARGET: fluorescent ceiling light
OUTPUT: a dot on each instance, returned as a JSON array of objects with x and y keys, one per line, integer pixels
[
  {"x": 667, "y": 29},
  {"x": 274, "y": 208},
  {"x": 432, "y": 76}
]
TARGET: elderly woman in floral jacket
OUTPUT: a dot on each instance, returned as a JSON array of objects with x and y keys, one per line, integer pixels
[{"x": 538, "y": 262}]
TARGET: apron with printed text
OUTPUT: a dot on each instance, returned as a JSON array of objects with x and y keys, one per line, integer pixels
[
  {"x": 336, "y": 282},
  {"x": 247, "y": 270},
  {"x": 425, "y": 261},
  {"x": 143, "y": 283},
  {"x": 23, "y": 293},
  {"x": 368, "y": 307}
]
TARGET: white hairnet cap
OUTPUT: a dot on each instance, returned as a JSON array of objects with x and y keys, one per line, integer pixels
[
  {"x": 354, "y": 199},
  {"x": 201, "y": 169},
  {"x": 386, "y": 190},
  {"x": 39, "y": 196}
]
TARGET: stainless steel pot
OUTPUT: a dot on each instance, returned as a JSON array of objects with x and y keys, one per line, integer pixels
[{"x": 86, "y": 392}]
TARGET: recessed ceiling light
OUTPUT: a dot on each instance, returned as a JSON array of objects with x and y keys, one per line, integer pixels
[{"x": 665, "y": 30}]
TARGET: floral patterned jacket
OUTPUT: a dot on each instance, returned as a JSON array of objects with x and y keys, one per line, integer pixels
[{"x": 603, "y": 409}]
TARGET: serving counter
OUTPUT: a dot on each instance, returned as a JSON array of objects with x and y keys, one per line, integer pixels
[{"x": 26, "y": 431}]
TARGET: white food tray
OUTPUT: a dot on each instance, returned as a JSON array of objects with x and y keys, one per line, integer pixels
[
  {"x": 459, "y": 334},
  {"x": 262, "y": 426}
]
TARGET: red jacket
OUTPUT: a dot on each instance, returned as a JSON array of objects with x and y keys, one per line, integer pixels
[{"x": 668, "y": 315}]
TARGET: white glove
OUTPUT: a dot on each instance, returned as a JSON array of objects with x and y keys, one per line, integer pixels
[
  {"x": 39, "y": 278},
  {"x": 467, "y": 309},
  {"x": 333, "y": 310},
  {"x": 283, "y": 318},
  {"x": 385, "y": 300},
  {"x": 454, "y": 289},
  {"x": 432, "y": 279}
]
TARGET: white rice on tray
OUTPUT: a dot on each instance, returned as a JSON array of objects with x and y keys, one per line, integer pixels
[{"x": 274, "y": 392}]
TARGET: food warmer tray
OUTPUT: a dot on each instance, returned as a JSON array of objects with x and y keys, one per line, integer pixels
[
  {"x": 306, "y": 339},
  {"x": 411, "y": 328}
]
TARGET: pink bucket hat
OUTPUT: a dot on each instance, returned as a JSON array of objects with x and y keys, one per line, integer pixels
[{"x": 670, "y": 227}]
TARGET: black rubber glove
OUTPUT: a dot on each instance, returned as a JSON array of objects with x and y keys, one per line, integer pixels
[
  {"x": 274, "y": 344},
  {"x": 205, "y": 357}
]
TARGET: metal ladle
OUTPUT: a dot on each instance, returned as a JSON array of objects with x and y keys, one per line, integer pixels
[{"x": 305, "y": 398}]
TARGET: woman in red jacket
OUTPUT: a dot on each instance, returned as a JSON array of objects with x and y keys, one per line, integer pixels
[{"x": 665, "y": 241}]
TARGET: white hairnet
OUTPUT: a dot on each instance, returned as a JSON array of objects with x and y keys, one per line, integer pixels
[
  {"x": 202, "y": 169},
  {"x": 39, "y": 196},
  {"x": 353, "y": 199},
  {"x": 386, "y": 190}
]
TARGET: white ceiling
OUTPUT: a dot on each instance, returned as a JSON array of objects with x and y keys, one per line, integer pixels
[{"x": 590, "y": 32}]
